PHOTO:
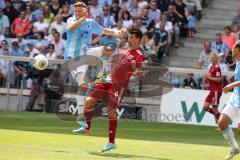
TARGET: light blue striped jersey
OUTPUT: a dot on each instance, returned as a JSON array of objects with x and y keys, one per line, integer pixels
[
  {"x": 235, "y": 97},
  {"x": 79, "y": 40}
]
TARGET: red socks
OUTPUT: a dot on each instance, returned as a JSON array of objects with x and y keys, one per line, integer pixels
[
  {"x": 217, "y": 115},
  {"x": 88, "y": 117},
  {"x": 112, "y": 129}
]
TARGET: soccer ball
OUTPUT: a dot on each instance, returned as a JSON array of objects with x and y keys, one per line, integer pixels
[{"x": 40, "y": 62}]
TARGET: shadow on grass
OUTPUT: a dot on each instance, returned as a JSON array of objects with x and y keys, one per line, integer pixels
[
  {"x": 148, "y": 131},
  {"x": 120, "y": 156}
]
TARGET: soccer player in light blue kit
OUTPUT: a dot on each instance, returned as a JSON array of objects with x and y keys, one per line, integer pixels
[
  {"x": 79, "y": 34},
  {"x": 232, "y": 110}
]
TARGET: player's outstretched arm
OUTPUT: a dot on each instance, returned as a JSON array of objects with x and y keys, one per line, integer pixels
[
  {"x": 74, "y": 25},
  {"x": 114, "y": 32},
  {"x": 231, "y": 86}
]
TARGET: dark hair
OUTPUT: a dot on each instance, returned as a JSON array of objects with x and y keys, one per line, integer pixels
[
  {"x": 218, "y": 34},
  {"x": 41, "y": 34},
  {"x": 80, "y": 4},
  {"x": 128, "y": 13},
  {"x": 51, "y": 45},
  {"x": 4, "y": 42},
  {"x": 228, "y": 28},
  {"x": 136, "y": 32}
]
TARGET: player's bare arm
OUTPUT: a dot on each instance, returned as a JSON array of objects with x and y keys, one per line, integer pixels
[
  {"x": 231, "y": 86},
  {"x": 76, "y": 24},
  {"x": 214, "y": 79},
  {"x": 114, "y": 32}
]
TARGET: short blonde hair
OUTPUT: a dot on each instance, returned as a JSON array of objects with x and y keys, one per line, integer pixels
[{"x": 80, "y": 4}]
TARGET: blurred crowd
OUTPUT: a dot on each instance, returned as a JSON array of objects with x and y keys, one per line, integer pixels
[{"x": 222, "y": 46}]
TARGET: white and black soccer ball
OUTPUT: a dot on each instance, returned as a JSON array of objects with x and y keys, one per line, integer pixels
[{"x": 40, "y": 62}]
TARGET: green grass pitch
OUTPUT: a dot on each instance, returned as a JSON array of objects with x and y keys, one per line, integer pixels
[{"x": 38, "y": 136}]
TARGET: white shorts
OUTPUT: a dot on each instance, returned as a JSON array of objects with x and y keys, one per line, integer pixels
[
  {"x": 79, "y": 74},
  {"x": 232, "y": 112}
]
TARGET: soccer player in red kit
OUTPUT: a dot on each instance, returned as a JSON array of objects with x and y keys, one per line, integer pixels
[
  {"x": 214, "y": 80},
  {"x": 111, "y": 91}
]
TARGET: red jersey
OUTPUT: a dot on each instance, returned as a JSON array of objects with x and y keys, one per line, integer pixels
[
  {"x": 21, "y": 26},
  {"x": 124, "y": 65},
  {"x": 215, "y": 72}
]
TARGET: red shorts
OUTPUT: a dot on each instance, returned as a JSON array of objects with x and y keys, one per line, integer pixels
[
  {"x": 111, "y": 93},
  {"x": 213, "y": 97}
]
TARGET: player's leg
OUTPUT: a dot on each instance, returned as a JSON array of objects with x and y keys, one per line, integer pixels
[
  {"x": 86, "y": 121},
  {"x": 112, "y": 127},
  {"x": 115, "y": 95},
  {"x": 229, "y": 113},
  {"x": 208, "y": 101},
  {"x": 215, "y": 104}
]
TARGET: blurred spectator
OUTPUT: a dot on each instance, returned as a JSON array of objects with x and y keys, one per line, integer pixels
[
  {"x": 59, "y": 25},
  {"x": 146, "y": 21},
  {"x": 191, "y": 24},
  {"x": 103, "y": 3},
  {"x": 236, "y": 31},
  {"x": 219, "y": 45},
  {"x": 229, "y": 39},
  {"x": 48, "y": 15},
  {"x": 173, "y": 17},
  {"x": 65, "y": 12},
  {"x": 4, "y": 24},
  {"x": 168, "y": 27},
  {"x": 51, "y": 54},
  {"x": 163, "y": 5},
  {"x": 108, "y": 21},
  {"x": 161, "y": 40},
  {"x": 4, "y": 45},
  {"x": 176, "y": 83},
  {"x": 205, "y": 58},
  {"x": 38, "y": 10},
  {"x": 19, "y": 5},
  {"x": 223, "y": 66},
  {"x": 29, "y": 15},
  {"x": 32, "y": 50},
  {"x": 40, "y": 26},
  {"x": 127, "y": 21},
  {"x": 21, "y": 70},
  {"x": 59, "y": 44},
  {"x": 21, "y": 25},
  {"x": 115, "y": 9},
  {"x": 189, "y": 82},
  {"x": 138, "y": 25},
  {"x": 134, "y": 10},
  {"x": 154, "y": 13},
  {"x": 22, "y": 43},
  {"x": 95, "y": 9},
  {"x": 125, "y": 4},
  {"x": 4, "y": 68},
  {"x": 41, "y": 44},
  {"x": 142, "y": 4},
  {"x": 15, "y": 49},
  {"x": 236, "y": 19},
  {"x": 55, "y": 6},
  {"x": 181, "y": 10},
  {"x": 147, "y": 47},
  {"x": 2, "y": 4},
  {"x": 9, "y": 11}
]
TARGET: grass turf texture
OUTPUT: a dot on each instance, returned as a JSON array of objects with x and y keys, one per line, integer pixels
[{"x": 37, "y": 136}]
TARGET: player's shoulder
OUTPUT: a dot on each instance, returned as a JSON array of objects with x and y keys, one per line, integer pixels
[
  {"x": 71, "y": 19},
  {"x": 89, "y": 20}
]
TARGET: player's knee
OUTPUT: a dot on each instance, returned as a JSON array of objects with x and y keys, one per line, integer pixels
[
  {"x": 112, "y": 114},
  {"x": 222, "y": 124},
  {"x": 89, "y": 103},
  {"x": 206, "y": 107}
]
